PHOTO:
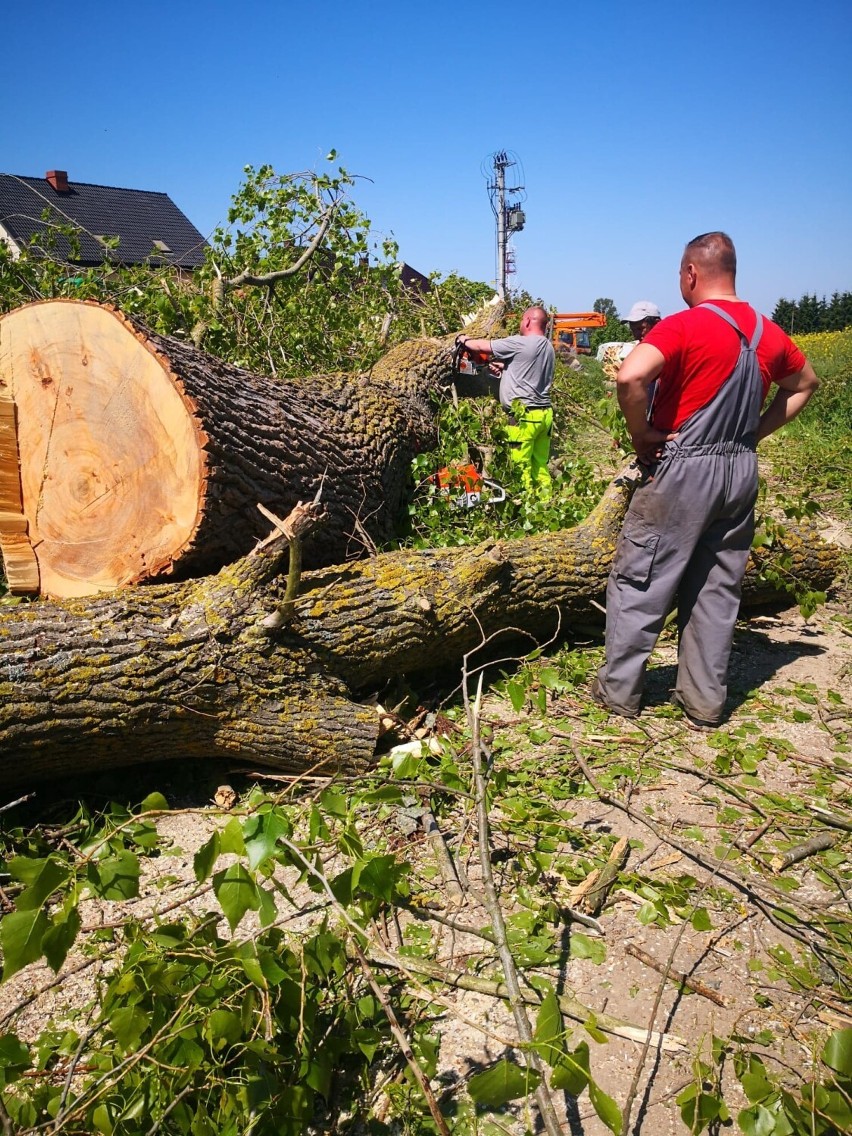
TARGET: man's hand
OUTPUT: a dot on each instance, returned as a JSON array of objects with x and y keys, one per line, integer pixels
[
  {"x": 790, "y": 399},
  {"x": 648, "y": 444}
]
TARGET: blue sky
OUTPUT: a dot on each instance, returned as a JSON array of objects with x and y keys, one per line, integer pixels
[{"x": 638, "y": 126}]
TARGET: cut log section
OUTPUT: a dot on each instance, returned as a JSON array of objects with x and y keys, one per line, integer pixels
[
  {"x": 112, "y": 461},
  {"x": 142, "y": 457}
]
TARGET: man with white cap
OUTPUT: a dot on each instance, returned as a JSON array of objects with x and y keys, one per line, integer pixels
[{"x": 642, "y": 317}]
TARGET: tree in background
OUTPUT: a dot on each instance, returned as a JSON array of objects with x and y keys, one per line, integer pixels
[
  {"x": 811, "y": 314},
  {"x": 614, "y": 330},
  {"x": 606, "y": 307}
]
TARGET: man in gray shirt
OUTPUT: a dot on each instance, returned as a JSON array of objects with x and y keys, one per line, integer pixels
[{"x": 526, "y": 361}]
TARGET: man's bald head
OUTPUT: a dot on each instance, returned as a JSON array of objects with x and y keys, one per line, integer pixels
[
  {"x": 708, "y": 268},
  {"x": 713, "y": 253},
  {"x": 535, "y": 321}
]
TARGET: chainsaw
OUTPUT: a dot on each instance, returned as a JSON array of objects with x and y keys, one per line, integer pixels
[
  {"x": 467, "y": 362},
  {"x": 464, "y": 485}
]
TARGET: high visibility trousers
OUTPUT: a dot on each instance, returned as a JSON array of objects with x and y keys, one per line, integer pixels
[{"x": 529, "y": 449}]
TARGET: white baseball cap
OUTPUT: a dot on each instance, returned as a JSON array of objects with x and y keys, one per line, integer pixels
[{"x": 642, "y": 309}]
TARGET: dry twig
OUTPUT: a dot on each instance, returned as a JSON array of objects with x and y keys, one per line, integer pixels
[{"x": 676, "y": 976}]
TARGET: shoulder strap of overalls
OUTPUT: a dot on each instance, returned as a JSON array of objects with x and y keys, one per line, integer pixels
[{"x": 758, "y": 326}]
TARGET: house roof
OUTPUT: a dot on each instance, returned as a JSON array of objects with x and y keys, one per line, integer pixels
[
  {"x": 138, "y": 217},
  {"x": 415, "y": 281}
]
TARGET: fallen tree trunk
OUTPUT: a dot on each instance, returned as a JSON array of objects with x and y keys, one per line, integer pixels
[
  {"x": 190, "y": 670},
  {"x": 142, "y": 457}
]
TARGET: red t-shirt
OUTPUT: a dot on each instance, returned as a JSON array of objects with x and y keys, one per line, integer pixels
[{"x": 701, "y": 350}]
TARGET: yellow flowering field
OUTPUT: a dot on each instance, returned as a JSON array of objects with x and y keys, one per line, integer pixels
[{"x": 830, "y": 353}]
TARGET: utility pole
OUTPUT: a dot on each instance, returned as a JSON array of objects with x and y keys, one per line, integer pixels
[{"x": 510, "y": 218}]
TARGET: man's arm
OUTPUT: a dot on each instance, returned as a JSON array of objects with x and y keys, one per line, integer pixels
[
  {"x": 790, "y": 399},
  {"x": 635, "y": 376},
  {"x": 481, "y": 345}
]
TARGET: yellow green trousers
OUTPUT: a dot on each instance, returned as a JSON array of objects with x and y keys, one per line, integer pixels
[{"x": 529, "y": 449}]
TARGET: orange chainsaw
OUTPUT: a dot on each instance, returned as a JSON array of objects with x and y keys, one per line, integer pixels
[
  {"x": 467, "y": 362},
  {"x": 464, "y": 485}
]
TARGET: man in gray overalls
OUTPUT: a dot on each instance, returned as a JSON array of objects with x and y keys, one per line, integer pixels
[{"x": 688, "y": 531}]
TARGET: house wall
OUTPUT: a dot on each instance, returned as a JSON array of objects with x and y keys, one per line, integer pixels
[{"x": 9, "y": 243}]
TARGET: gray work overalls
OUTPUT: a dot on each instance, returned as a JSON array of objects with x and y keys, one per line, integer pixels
[{"x": 687, "y": 533}]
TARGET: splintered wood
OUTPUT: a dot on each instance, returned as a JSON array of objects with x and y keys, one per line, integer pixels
[{"x": 19, "y": 562}]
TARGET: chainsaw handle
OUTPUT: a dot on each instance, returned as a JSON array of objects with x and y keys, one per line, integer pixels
[{"x": 498, "y": 493}]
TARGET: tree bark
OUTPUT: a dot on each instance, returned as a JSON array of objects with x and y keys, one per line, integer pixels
[
  {"x": 142, "y": 457},
  {"x": 190, "y": 670}
]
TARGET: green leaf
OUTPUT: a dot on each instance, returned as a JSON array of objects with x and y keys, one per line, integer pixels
[
  {"x": 590, "y": 1025},
  {"x": 379, "y": 875},
  {"x": 21, "y": 934},
  {"x": 584, "y": 947},
  {"x": 406, "y": 764},
  {"x": 231, "y": 838},
  {"x": 699, "y": 1109},
  {"x": 572, "y": 1072},
  {"x": 60, "y": 937},
  {"x": 154, "y": 803},
  {"x": 701, "y": 920},
  {"x": 549, "y": 1030},
  {"x": 349, "y": 842},
  {"x": 317, "y": 827},
  {"x": 144, "y": 834},
  {"x": 756, "y": 1121},
  {"x": 254, "y": 971},
  {"x": 517, "y": 695},
  {"x": 755, "y": 1085},
  {"x": 605, "y": 1107},
  {"x": 13, "y": 1053},
  {"x": 647, "y": 913},
  {"x": 836, "y": 1107},
  {"x": 43, "y": 877},
  {"x": 319, "y": 1073},
  {"x": 101, "y": 1120},
  {"x": 206, "y": 857},
  {"x": 837, "y": 1053},
  {"x": 334, "y": 803},
  {"x": 115, "y": 877},
  {"x": 503, "y": 1082},
  {"x": 128, "y": 1023},
  {"x": 268, "y": 908},
  {"x": 222, "y": 1028},
  {"x": 237, "y": 893},
  {"x": 260, "y": 836},
  {"x": 549, "y": 678}
]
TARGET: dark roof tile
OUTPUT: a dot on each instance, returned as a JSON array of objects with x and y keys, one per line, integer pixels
[{"x": 137, "y": 217}]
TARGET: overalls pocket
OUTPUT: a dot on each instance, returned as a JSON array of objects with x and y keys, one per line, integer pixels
[{"x": 634, "y": 558}]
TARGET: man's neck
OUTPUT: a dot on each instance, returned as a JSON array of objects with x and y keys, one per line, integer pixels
[{"x": 715, "y": 294}]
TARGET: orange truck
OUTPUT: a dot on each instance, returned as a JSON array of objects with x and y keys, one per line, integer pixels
[{"x": 570, "y": 331}]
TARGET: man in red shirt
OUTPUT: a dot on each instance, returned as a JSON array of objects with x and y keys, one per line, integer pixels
[{"x": 688, "y": 531}]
